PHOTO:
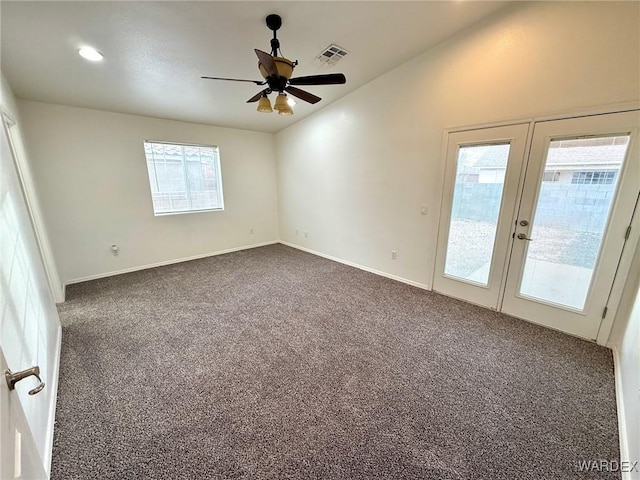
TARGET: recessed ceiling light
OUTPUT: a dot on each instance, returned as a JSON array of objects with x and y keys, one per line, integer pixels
[
  {"x": 90, "y": 54},
  {"x": 291, "y": 101}
]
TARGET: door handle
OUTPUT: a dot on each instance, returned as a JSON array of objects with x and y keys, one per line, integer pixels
[
  {"x": 522, "y": 236},
  {"x": 13, "y": 378}
]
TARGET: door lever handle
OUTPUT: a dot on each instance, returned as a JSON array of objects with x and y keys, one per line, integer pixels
[
  {"x": 522, "y": 236},
  {"x": 13, "y": 378}
]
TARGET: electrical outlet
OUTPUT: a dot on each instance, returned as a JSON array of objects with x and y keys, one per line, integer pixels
[
  {"x": 394, "y": 255},
  {"x": 297, "y": 232},
  {"x": 306, "y": 234},
  {"x": 251, "y": 231},
  {"x": 424, "y": 209},
  {"x": 115, "y": 249}
]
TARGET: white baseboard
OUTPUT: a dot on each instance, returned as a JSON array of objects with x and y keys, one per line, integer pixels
[
  {"x": 167, "y": 262},
  {"x": 622, "y": 425},
  {"x": 361, "y": 267}
]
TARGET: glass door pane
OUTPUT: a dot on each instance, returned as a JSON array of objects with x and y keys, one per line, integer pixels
[
  {"x": 481, "y": 181},
  {"x": 477, "y": 198},
  {"x": 576, "y": 194},
  {"x": 578, "y": 197}
]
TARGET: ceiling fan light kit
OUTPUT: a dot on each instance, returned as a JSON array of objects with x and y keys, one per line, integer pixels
[
  {"x": 286, "y": 111},
  {"x": 282, "y": 105},
  {"x": 283, "y": 65},
  {"x": 276, "y": 71},
  {"x": 281, "y": 102},
  {"x": 264, "y": 105}
]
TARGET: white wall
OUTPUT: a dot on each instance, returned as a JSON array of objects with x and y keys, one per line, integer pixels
[
  {"x": 91, "y": 174},
  {"x": 355, "y": 173}
]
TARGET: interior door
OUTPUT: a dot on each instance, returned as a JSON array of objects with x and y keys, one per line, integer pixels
[
  {"x": 482, "y": 175},
  {"x": 29, "y": 333},
  {"x": 18, "y": 453},
  {"x": 579, "y": 195}
]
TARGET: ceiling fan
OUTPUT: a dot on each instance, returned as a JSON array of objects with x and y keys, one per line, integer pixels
[{"x": 276, "y": 71}]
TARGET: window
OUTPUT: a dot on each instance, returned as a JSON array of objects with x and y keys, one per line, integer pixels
[
  {"x": 551, "y": 176},
  {"x": 597, "y": 177},
  {"x": 184, "y": 178}
]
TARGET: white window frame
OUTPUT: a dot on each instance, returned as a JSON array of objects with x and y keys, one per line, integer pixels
[{"x": 188, "y": 192}]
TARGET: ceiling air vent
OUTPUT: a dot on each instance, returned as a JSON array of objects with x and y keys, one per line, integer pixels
[{"x": 332, "y": 54}]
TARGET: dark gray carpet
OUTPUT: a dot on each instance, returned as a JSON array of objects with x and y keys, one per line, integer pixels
[{"x": 275, "y": 364}]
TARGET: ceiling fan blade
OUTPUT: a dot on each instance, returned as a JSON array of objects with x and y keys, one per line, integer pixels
[
  {"x": 328, "y": 79},
  {"x": 267, "y": 62},
  {"x": 257, "y": 82},
  {"x": 302, "y": 95},
  {"x": 257, "y": 96}
]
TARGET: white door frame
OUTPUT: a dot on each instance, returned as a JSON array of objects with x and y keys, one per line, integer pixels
[
  {"x": 14, "y": 136},
  {"x": 624, "y": 269}
]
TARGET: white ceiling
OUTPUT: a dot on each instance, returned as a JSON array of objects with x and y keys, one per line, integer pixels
[{"x": 156, "y": 51}]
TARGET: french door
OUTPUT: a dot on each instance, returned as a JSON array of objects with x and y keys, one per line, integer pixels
[
  {"x": 534, "y": 217},
  {"x": 482, "y": 177}
]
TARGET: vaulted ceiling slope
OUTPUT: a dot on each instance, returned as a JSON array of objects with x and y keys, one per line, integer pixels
[{"x": 156, "y": 52}]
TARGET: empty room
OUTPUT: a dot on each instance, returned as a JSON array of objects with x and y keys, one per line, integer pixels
[{"x": 320, "y": 240}]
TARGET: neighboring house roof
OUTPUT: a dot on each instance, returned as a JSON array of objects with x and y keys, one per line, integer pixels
[
  {"x": 577, "y": 156},
  {"x": 600, "y": 156},
  {"x": 493, "y": 157}
]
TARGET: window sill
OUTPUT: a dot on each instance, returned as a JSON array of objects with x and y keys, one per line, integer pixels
[{"x": 183, "y": 212}]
